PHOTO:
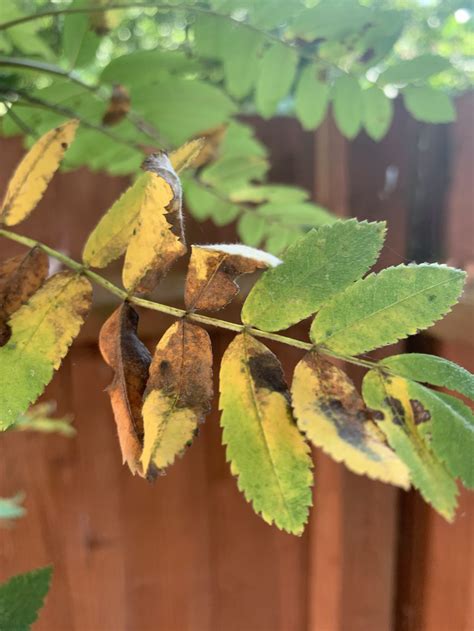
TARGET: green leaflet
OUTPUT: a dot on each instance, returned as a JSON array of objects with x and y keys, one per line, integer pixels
[
  {"x": 332, "y": 19},
  {"x": 251, "y": 228},
  {"x": 311, "y": 98},
  {"x": 434, "y": 370},
  {"x": 276, "y": 74},
  {"x": 315, "y": 268},
  {"x": 42, "y": 331},
  {"x": 378, "y": 112},
  {"x": 416, "y": 69},
  {"x": 429, "y": 105},
  {"x": 79, "y": 42},
  {"x": 408, "y": 425},
  {"x": 22, "y": 597},
  {"x": 11, "y": 508},
  {"x": 453, "y": 434},
  {"x": 239, "y": 56},
  {"x": 231, "y": 172},
  {"x": 347, "y": 105},
  {"x": 264, "y": 446},
  {"x": 386, "y": 307}
]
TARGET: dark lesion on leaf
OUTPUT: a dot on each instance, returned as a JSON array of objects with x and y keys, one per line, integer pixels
[
  {"x": 267, "y": 373},
  {"x": 420, "y": 413},
  {"x": 398, "y": 411}
]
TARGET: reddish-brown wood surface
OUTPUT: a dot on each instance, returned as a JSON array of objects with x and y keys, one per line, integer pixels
[{"x": 187, "y": 553}]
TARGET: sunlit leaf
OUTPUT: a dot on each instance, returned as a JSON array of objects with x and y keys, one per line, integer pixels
[
  {"x": 377, "y": 112},
  {"x": 239, "y": 54},
  {"x": 311, "y": 98},
  {"x": 178, "y": 394},
  {"x": 416, "y": 69},
  {"x": 130, "y": 360},
  {"x": 158, "y": 238},
  {"x": 42, "y": 331},
  {"x": 408, "y": 426},
  {"x": 347, "y": 105},
  {"x": 429, "y": 105},
  {"x": 264, "y": 446},
  {"x": 34, "y": 173},
  {"x": 187, "y": 155},
  {"x": 331, "y": 413},
  {"x": 314, "y": 269},
  {"x": 210, "y": 282},
  {"x": 386, "y": 307}
]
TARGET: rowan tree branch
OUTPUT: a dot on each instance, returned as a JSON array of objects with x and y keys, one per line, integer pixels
[{"x": 174, "y": 311}]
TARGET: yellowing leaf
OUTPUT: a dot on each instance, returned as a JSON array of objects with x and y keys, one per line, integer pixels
[
  {"x": 210, "y": 282},
  {"x": 20, "y": 277},
  {"x": 331, "y": 413},
  {"x": 42, "y": 331},
  {"x": 178, "y": 394},
  {"x": 34, "y": 173},
  {"x": 265, "y": 448},
  {"x": 408, "y": 426},
  {"x": 158, "y": 239},
  {"x": 186, "y": 155},
  {"x": 110, "y": 237},
  {"x": 130, "y": 360}
]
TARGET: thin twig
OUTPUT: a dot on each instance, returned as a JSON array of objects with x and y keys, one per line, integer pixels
[{"x": 174, "y": 311}]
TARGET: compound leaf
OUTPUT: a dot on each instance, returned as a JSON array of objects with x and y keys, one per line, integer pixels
[
  {"x": 178, "y": 394},
  {"x": 264, "y": 446},
  {"x": 34, "y": 173},
  {"x": 21, "y": 597},
  {"x": 158, "y": 238},
  {"x": 20, "y": 277},
  {"x": 123, "y": 351},
  {"x": 332, "y": 414},
  {"x": 276, "y": 74},
  {"x": 42, "y": 331},
  {"x": 314, "y": 268},
  {"x": 386, "y": 307},
  {"x": 408, "y": 426},
  {"x": 434, "y": 370},
  {"x": 210, "y": 282}
]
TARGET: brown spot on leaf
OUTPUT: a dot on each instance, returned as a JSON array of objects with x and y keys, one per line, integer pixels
[
  {"x": 119, "y": 106},
  {"x": 20, "y": 278},
  {"x": 397, "y": 408},
  {"x": 267, "y": 373},
  {"x": 129, "y": 358},
  {"x": 420, "y": 413}
]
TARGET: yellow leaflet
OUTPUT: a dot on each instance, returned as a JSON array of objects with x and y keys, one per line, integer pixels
[
  {"x": 34, "y": 173},
  {"x": 178, "y": 394},
  {"x": 265, "y": 448},
  {"x": 110, "y": 237},
  {"x": 185, "y": 156},
  {"x": 333, "y": 416},
  {"x": 42, "y": 331},
  {"x": 153, "y": 246}
]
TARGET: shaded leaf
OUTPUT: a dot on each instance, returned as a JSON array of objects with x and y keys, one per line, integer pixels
[
  {"x": 20, "y": 277},
  {"x": 332, "y": 19},
  {"x": 297, "y": 214},
  {"x": 311, "y": 98},
  {"x": 79, "y": 42},
  {"x": 210, "y": 282},
  {"x": 429, "y": 105},
  {"x": 314, "y": 268},
  {"x": 276, "y": 73},
  {"x": 34, "y": 173},
  {"x": 264, "y": 446},
  {"x": 386, "y": 307},
  {"x": 347, "y": 105},
  {"x": 158, "y": 238},
  {"x": 239, "y": 53},
  {"x": 407, "y": 424},
  {"x": 331, "y": 413},
  {"x": 419, "y": 68},
  {"x": 378, "y": 112},
  {"x": 278, "y": 193},
  {"x": 42, "y": 331},
  {"x": 21, "y": 598},
  {"x": 129, "y": 358},
  {"x": 178, "y": 394},
  {"x": 38, "y": 419},
  {"x": 251, "y": 228},
  {"x": 434, "y": 370}
]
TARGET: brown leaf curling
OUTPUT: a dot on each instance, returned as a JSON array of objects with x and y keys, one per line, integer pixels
[
  {"x": 181, "y": 370},
  {"x": 210, "y": 281},
  {"x": 123, "y": 351},
  {"x": 20, "y": 277},
  {"x": 342, "y": 402},
  {"x": 119, "y": 106}
]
